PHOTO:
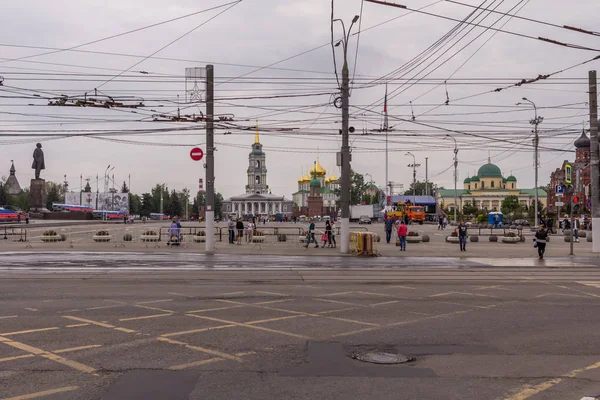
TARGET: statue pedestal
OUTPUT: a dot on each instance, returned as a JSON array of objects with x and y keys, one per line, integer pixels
[{"x": 37, "y": 196}]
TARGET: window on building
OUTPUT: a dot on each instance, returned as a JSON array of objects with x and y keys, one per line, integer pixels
[
  {"x": 257, "y": 180},
  {"x": 512, "y": 185},
  {"x": 475, "y": 186},
  {"x": 492, "y": 183},
  {"x": 482, "y": 184},
  {"x": 257, "y": 163}
]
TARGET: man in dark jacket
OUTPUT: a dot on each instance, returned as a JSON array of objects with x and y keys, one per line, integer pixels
[
  {"x": 541, "y": 238},
  {"x": 389, "y": 225}
]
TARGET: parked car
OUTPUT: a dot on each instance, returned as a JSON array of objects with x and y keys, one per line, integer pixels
[{"x": 364, "y": 219}]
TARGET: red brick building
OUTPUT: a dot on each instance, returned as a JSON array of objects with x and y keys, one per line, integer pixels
[
  {"x": 314, "y": 200},
  {"x": 581, "y": 167}
]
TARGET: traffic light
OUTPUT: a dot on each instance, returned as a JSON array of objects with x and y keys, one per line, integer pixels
[{"x": 575, "y": 203}]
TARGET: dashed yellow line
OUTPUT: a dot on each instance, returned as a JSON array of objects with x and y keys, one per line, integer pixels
[
  {"x": 48, "y": 355},
  {"x": 337, "y": 310},
  {"x": 273, "y": 293},
  {"x": 529, "y": 391},
  {"x": 232, "y": 293},
  {"x": 44, "y": 393},
  {"x": 154, "y": 301},
  {"x": 28, "y": 331},
  {"x": 102, "y": 324},
  {"x": 31, "y": 309},
  {"x": 17, "y": 357},
  {"x": 155, "y": 308},
  {"x": 77, "y": 325},
  {"x": 340, "y": 302},
  {"x": 335, "y": 294},
  {"x": 93, "y": 346},
  {"x": 9, "y": 316},
  {"x": 197, "y": 330},
  {"x": 202, "y": 349},
  {"x": 214, "y": 309},
  {"x": 274, "y": 301},
  {"x": 181, "y": 294},
  {"x": 385, "y": 303},
  {"x": 262, "y": 321},
  {"x": 145, "y": 317},
  {"x": 249, "y": 326}
]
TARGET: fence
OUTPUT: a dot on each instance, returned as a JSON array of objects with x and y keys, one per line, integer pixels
[{"x": 13, "y": 232}]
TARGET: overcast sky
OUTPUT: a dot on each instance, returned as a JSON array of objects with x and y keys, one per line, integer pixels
[{"x": 260, "y": 33}]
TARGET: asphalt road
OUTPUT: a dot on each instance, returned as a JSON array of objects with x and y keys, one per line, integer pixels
[{"x": 85, "y": 326}]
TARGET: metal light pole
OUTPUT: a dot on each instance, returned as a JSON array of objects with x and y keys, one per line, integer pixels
[
  {"x": 345, "y": 150},
  {"x": 594, "y": 161},
  {"x": 414, "y": 166},
  {"x": 210, "y": 160},
  {"x": 455, "y": 175},
  {"x": 536, "y": 141}
]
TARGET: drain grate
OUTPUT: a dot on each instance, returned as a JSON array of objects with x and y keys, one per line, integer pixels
[{"x": 381, "y": 357}]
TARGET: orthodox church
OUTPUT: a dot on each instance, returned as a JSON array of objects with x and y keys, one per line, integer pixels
[
  {"x": 258, "y": 200},
  {"x": 328, "y": 187}
]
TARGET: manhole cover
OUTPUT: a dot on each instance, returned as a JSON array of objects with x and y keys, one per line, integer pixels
[{"x": 380, "y": 357}]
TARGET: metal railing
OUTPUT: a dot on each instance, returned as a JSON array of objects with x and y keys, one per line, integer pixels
[{"x": 21, "y": 233}]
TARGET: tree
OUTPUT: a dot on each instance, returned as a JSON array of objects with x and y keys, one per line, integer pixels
[
  {"x": 199, "y": 202},
  {"x": 218, "y": 204},
  {"x": 146, "y": 205},
  {"x": 357, "y": 188},
  {"x": 175, "y": 207},
  {"x": 134, "y": 204},
  {"x": 419, "y": 188},
  {"x": 510, "y": 205},
  {"x": 469, "y": 208},
  {"x": 124, "y": 188},
  {"x": 55, "y": 193},
  {"x": 156, "y": 196}
]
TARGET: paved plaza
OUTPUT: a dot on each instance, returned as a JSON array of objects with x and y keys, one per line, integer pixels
[
  {"x": 190, "y": 326},
  {"x": 79, "y": 238}
]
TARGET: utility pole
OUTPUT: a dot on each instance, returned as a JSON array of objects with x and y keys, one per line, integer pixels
[
  {"x": 595, "y": 162},
  {"x": 455, "y": 176},
  {"x": 66, "y": 186},
  {"x": 426, "y": 176},
  {"x": 210, "y": 160},
  {"x": 536, "y": 156},
  {"x": 345, "y": 150},
  {"x": 81, "y": 189},
  {"x": 414, "y": 166}
]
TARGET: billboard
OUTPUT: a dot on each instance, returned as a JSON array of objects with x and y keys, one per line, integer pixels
[{"x": 99, "y": 201}]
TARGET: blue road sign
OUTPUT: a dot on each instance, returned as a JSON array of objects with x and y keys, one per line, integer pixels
[
  {"x": 560, "y": 189},
  {"x": 568, "y": 173}
]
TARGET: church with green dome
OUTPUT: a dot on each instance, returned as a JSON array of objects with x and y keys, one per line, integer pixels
[{"x": 487, "y": 190}]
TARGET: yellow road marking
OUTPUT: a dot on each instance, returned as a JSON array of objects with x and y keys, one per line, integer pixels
[
  {"x": 102, "y": 307},
  {"x": 300, "y": 313},
  {"x": 384, "y": 303},
  {"x": 495, "y": 287},
  {"x": 273, "y": 319},
  {"x": 529, "y": 391},
  {"x": 50, "y": 356},
  {"x": 44, "y": 393},
  {"x": 156, "y": 309},
  {"x": 214, "y": 309},
  {"x": 335, "y": 294},
  {"x": 16, "y": 357},
  {"x": 9, "y": 316},
  {"x": 202, "y": 349},
  {"x": 273, "y": 293},
  {"x": 29, "y": 331},
  {"x": 401, "y": 286},
  {"x": 197, "y": 330},
  {"x": 145, "y": 317},
  {"x": 232, "y": 293},
  {"x": 154, "y": 301},
  {"x": 340, "y": 302},
  {"x": 250, "y": 326},
  {"x": 245, "y": 353},
  {"x": 102, "y": 324},
  {"x": 194, "y": 364},
  {"x": 77, "y": 325},
  {"x": 274, "y": 301},
  {"x": 338, "y": 310},
  {"x": 559, "y": 294},
  {"x": 180, "y": 294},
  {"x": 31, "y": 309},
  {"x": 93, "y": 346},
  {"x": 378, "y": 294}
]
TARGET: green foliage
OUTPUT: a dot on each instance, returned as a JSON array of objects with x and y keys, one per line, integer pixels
[
  {"x": 135, "y": 204},
  {"x": 469, "y": 208},
  {"x": 175, "y": 208},
  {"x": 419, "y": 189},
  {"x": 145, "y": 205},
  {"x": 20, "y": 201},
  {"x": 218, "y": 204},
  {"x": 55, "y": 193},
  {"x": 510, "y": 206},
  {"x": 124, "y": 188}
]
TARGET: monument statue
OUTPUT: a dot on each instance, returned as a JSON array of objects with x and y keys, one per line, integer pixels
[{"x": 38, "y": 160}]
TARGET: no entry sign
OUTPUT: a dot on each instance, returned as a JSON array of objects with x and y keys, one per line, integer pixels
[{"x": 196, "y": 154}]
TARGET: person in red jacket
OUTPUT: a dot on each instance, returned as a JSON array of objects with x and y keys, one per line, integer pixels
[{"x": 402, "y": 231}]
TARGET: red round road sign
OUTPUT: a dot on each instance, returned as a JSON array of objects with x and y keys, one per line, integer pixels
[{"x": 196, "y": 154}]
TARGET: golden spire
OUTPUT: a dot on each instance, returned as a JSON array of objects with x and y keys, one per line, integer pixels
[{"x": 256, "y": 136}]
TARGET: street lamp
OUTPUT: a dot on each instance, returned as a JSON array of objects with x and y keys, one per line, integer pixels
[
  {"x": 455, "y": 174},
  {"x": 345, "y": 150},
  {"x": 536, "y": 141},
  {"x": 414, "y": 166}
]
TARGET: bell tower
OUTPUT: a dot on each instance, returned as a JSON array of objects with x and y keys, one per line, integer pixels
[{"x": 257, "y": 169}]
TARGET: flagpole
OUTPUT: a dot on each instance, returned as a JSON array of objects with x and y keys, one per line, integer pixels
[{"x": 385, "y": 127}]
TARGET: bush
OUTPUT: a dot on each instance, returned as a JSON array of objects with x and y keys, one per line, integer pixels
[
  {"x": 49, "y": 233},
  {"x": 510, "y": 234},
  {"x": 103, "y": 233},
  {"x": 200, "y": 233},
  {"x": 149, "y": 232},
  {"x": 412, "y": 234},
  {"x": 454, "y": 234},
  {"x": 426, "y": 239}
]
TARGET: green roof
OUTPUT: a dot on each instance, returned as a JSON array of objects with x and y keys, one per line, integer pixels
[
  {"x": 315, "y": 182},
  {"x": 489, "y": 171},
  {"x": 450, "y": 192},
  {"x": 475, "y": 179},
  {"x": 531, "y": 192},
  {"x": 511, "y": 179},
  {"x": 468, "y": 180}
]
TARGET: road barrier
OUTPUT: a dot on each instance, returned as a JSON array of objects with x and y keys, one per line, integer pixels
[
  {"x": 363, "y": 243},
  {"x": 13, "y": 232}
]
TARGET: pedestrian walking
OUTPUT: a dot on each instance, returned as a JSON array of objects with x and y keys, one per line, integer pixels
[
  {"x": 440, "y": 222},
  {"x": 311, "y": 235},
  {"x": 445, "y": 223},
  {"x": 541, "y": 238},
  {"x": 576, "y": 226},
  {"x": 462, "y": 236},
  {"x": 249, "y": 231},
  {"x": 332, "y": 237},
  {"x": 328, "y": 234},
  {"x": 19, "y": 217},
  {"x": 239, "y": 226},
  {"x": 174, "y": 234},
  {"x": 389, "y": 225},
  {"x": 230, "y": 230},
  {"x": 402, "y": 232},
  {"x": 27, "y": 217}
]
